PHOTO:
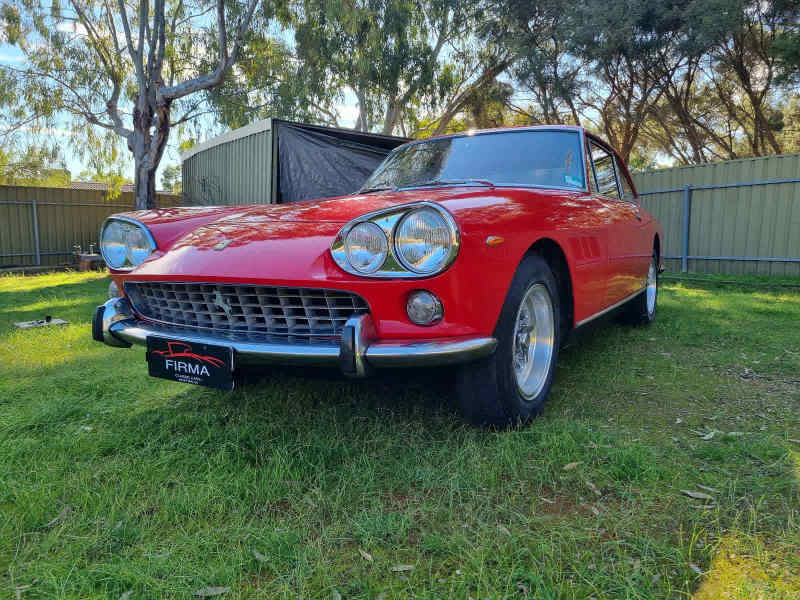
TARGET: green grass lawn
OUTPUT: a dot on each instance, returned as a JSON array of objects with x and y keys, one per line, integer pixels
[{"x": 116, "y": 485}]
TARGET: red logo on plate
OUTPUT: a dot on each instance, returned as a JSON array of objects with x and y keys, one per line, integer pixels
[{"x": 184, "y": 350}]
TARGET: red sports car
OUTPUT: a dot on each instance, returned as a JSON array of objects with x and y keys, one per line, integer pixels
[{"x": 483, "y": 249}]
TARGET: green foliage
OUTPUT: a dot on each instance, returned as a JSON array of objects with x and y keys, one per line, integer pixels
[
  {"x": 34, "y": 165},
  {"x": 171, "y": 179}
]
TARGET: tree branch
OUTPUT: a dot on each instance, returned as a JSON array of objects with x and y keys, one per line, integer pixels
[{"x": 210, "y": 80}]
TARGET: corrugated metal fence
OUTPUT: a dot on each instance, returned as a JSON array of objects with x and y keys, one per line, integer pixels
[
  {"x": 734, "y": 217},
  {"x": 40, "y": 226},
  {"x": 738, "y": 217}
]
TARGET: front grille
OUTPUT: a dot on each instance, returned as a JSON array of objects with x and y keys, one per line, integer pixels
[{"x": 299, "y": 314}]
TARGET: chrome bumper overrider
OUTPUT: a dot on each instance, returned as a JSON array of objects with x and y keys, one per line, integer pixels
[{"x": 357, "y": 353}]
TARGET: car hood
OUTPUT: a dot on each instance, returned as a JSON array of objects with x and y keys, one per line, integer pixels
[
  {"x": 340, "y": 209},
  {"x": 280, "y": 241}
]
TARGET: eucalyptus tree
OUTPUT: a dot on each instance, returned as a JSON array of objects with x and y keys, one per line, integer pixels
[
  {"x": 128, "y": 67},
  {"x": 388, "y": 54}
]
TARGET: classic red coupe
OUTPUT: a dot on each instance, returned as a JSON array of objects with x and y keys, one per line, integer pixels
[{"x": 483, "y": 249}]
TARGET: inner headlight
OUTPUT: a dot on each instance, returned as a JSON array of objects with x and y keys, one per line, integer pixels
[
  {"x": 366, "y": 247},
  {"x": 423, "y": 241},
  {"x": 125, "y": 244}
]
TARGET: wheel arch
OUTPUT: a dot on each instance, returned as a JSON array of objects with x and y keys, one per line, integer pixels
[{"x": 555, "y": 257}]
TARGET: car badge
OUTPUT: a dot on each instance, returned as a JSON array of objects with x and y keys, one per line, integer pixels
[
  {"x": 220, "y": 303},
  {"x": 222, "y": 245}
]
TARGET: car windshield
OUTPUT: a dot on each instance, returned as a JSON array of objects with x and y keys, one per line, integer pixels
[{"x": 545, "y": 158}]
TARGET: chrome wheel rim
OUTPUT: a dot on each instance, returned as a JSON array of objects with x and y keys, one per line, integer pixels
[
  {"x": 652, "y": 287},
  {"x": 532, "y": 347}
]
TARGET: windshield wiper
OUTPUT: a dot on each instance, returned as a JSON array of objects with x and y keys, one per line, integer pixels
[
  {"x": 433, "y": 182},
  {"x": 380, "y": 187}
]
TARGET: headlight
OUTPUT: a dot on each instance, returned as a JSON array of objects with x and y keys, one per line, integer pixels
[
  {"x": 366, "y": 247},
  {"x": 423, "y": 241},
  {"x": 112, "y": 244},
  {"x": 412, "y": 240},
  {"x": 125, "y": 243}
]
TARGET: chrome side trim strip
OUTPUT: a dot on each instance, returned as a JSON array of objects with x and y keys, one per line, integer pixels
[{"x": 609, "y": 309}]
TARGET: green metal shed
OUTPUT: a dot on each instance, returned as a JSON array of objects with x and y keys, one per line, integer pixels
[{"x": 275, "y": 161}]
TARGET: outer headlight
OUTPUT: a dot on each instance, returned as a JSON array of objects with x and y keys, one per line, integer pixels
[
  {"x": 366, "y": 247},
  {"x": 125, "y": 243},
  {"x": 408, "y": 241},
  {"x": 423, "y": 241}
]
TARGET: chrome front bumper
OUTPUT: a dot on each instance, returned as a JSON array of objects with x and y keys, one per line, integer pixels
[{"x": 356, "y": 355}]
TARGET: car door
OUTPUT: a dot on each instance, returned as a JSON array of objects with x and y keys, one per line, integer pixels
[
  {"x": 623, "y": 225},
  {"x": 643, "y": 251}
]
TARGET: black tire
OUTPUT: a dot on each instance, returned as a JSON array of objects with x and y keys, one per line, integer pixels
[
  {"x": 639, "y": 311},
  {"x": 487, "y": 390}
]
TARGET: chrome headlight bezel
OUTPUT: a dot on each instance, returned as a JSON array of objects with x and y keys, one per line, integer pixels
[
  {"x": 388, "y": 220},
  {"x": 129, "y": 226}
]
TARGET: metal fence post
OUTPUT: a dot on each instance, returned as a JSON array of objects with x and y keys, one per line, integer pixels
[
  {"x": 35, "y": 219},
  {"x": 687, "y": 217}
]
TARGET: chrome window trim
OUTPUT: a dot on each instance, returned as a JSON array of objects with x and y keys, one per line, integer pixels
[
  {"x": 388, "y": 219},
  {"x": 620, "y": 174},
  {"x": 613, "y": 157},
  {"x": 128, "y": 266}
]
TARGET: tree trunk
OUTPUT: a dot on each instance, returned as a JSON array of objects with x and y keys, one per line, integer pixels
[
  {"x": 147, "y": 143},
  {"x": 145, "y": 185}
]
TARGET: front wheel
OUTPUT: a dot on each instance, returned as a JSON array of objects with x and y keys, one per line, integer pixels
[{"x": 511, "y": 385}]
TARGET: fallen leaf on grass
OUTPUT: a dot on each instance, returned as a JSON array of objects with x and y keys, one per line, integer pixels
[
  {"x": 65, "y": 512},
  {"x": 402, "y": 568},
  {"x": 570, "y": 466},
  {"x": 708, "y": 489},
  {"x": 365, "y": 555},
  {"x": 212, "y": 591},
  {"x": 21, "y": 588},
  {"x": 697, "y": 495},
  {"x": 594, "y": 488},
  {"x": 696, "y": 569},
  {"x": 260, "y": 556}
]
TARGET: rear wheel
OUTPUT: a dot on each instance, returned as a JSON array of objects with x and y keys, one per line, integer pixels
[
  {"x": 511, "y": 385},
  {"x": 642, "y": 309}
]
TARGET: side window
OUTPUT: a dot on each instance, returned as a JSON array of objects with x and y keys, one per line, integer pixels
[
  {"x": 625, "y": 184},
  {"x": 604, "y": 172}
]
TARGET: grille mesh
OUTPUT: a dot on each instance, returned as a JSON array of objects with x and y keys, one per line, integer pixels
[{"x": 299, "y": 313}]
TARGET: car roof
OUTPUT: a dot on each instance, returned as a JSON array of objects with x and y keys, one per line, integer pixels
[
  {"x": 503, "y": 129},
  {"x": 577, "y": 128}
]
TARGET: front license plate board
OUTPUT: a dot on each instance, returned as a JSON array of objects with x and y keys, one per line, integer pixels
[{"x": 190, "y": 362}]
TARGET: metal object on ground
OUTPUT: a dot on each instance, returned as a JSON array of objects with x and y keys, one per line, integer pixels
[{"x": 48, "y": 321}]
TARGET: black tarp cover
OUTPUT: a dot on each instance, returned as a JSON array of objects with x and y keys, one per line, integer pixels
[{"x": 315, "y": 162}]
